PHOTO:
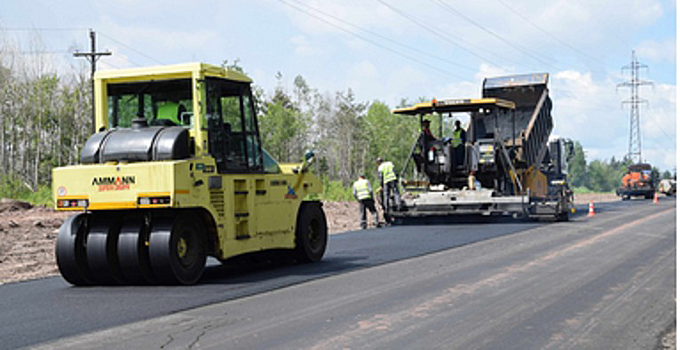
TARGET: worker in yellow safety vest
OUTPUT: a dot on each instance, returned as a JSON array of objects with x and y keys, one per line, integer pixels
[
  {"x": 388, "y": 180},
  {"x": 169, "y": 114},
  {"x": 361, "y": 190},
  {"x": 458, "y": 144}
]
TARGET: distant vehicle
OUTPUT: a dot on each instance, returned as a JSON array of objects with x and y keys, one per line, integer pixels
[
  {"x": 637, "y": 182},
  {"x": 667, "y": 187}
]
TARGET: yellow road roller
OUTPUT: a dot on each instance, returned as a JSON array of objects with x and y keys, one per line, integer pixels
[{"x": 175, "y": 173}]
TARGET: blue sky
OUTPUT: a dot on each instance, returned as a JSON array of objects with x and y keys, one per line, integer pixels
[{"x": 387, "y": 50}]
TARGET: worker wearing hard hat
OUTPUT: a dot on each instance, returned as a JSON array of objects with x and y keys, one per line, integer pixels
[
  {"x": 388, "y": 180},
  {"x": 361, "y": 190},
  {"x": 426, "y": 131}
]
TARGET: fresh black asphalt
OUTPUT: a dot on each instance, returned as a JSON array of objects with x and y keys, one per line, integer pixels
[{"x": 48, "y": 309}]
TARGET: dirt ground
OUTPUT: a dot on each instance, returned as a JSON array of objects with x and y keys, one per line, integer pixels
[{"x": 27, "y": 234}]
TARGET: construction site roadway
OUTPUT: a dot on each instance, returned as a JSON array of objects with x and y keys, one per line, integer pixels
[{"x": 595, "y": 282}]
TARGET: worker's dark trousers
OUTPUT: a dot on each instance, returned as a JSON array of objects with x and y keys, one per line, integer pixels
[
  {"x": 392, "y": 191},
  {"x": 370, "y": 205},
  {"x": 458, "y": 156}
]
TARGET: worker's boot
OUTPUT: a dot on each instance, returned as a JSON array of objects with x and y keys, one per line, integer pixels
[{"x": 363, "y": 225}]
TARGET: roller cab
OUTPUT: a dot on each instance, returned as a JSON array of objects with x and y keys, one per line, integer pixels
[{"x": 176, "y": 173}]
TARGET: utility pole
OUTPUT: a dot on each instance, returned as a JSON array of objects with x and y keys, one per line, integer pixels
[
  {"x": 92, "y": 56},
  {"x": 635, "y": 137}
]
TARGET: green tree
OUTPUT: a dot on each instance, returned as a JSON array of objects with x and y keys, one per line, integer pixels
[
  {"x": 577, "y": 166},
  {"x": 390, "y": 136},
  {"x": 278, "y": 128},
  {"x": 349, "y": 143},
  {"x": 599, "y": 177}
]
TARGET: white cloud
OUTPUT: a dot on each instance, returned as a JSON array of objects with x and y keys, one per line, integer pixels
[
  {"x": 313, "y": 16},
  {"x": 303, "y": 47},
  {"x": 117, "y": 60},
  {"x": 487, "y": 70},
  {"x": 658, "y": 50},
  {"x": 365, "y": 78},
  {"x": 365, "y": 70},
  {"x": 154, "y": 40},
  {"x": 590, "y": 111}
]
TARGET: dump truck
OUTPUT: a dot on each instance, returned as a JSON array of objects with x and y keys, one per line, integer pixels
[
  {"x": 176, "y": 173},
  {"x": 507, "y": 164},
  {"x": 637, "y": 181}
]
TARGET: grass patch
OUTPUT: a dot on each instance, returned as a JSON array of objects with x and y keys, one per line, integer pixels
[
  {"x": 583, "y": 190},
  {"x": 13, "y": 188},
  {"x": 335, "y": 191}
]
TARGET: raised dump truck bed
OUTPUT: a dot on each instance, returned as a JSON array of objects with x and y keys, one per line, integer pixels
[{"x": 532, "y": 122}]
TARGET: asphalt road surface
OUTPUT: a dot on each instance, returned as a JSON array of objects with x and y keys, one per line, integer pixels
[{"x": 603, "y": 282}]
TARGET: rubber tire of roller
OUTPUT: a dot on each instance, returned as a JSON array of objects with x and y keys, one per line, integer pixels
[
  {"x": 70, "y": 251},
  {"x": 167, "y": 266},
  {"x": 133, "y": 253},
  {"x": 311, "y": 233},
  {"x": 102, "y": 247}
]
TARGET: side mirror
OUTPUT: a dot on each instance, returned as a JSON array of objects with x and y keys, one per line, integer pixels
[{"x": 309, "y": 156}]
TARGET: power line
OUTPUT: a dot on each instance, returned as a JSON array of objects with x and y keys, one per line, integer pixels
[
  {"x": 437, "y": 33},
  {"x": 422, "y": 52},
  {"x": 660, "y": 145},
  {"x": 111, "y": 65},
  {"x": 40, "y": 29},
  {"x": 58, "y": 29},
  {"x": 492, "y": 33},
  {"x": 131, "y": 48},
  {"x": 446, "y": 38},
  {"x": 38, "y": 52},
  {"x": 372, "y": 41},
  {"x": 663, "y": 131},
  {"x": 554, "y": 37}
]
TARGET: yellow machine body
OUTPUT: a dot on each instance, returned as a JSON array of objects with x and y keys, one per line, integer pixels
[
  {"x": 242, "y": 211},
  {"x": 251, "y": 212}
]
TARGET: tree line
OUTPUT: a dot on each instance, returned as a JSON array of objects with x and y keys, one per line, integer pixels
[
  {"x": 602, "y": 175},
  {"x": 45, "y": 119}
]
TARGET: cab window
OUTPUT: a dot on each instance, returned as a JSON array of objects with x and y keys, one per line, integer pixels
[
  {"x": 166, "y": 103},
  {"x": 232, "y": 127}
]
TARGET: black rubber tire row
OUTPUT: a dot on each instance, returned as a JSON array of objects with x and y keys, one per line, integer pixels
[
  {"x": 107, "y": 248},
  {"x": 165, "y": 247}
]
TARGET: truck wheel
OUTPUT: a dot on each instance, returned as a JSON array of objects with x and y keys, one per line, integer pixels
[
  {"x": 311, "y": 233},
  {"x": 562, "y": 217},
  {"x": 177, "y": 249}
]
